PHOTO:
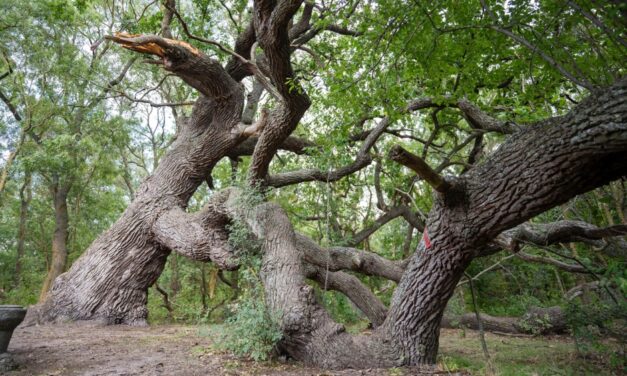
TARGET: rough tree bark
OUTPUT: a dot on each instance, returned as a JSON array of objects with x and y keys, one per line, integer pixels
[
  {"x": 110, "y": 281},
  {"x": 540, "y": 166},
  {"x": 535, "y": 321},
  {"x": 537, "y": 168}
]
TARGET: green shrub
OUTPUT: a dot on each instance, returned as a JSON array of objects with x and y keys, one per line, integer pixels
[{"x": 252, "y": 331}]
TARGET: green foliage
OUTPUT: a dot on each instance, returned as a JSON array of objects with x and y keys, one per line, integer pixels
[
  {"x": 252, "y": 331},
  {"x": 592, "y": 323}
]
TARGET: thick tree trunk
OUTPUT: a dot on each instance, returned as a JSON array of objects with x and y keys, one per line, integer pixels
[
  {"x": 59, "y": 239},
  {"x": 109, "y": 282},
  {"x": 534, "y": 170},
  {"x": 309, "y": 333},
  {"x": 537, "y": 168},
  {"x": 426, "y": 286}
]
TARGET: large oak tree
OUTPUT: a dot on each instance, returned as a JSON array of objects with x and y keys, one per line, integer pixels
[{"x": 400, "y": 61}]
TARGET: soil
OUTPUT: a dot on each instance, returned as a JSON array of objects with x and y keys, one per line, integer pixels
[{"x": 88, "y": 349}]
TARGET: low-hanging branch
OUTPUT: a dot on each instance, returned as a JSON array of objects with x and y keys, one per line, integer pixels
[
  {"x": 353, "y": 288},
  {"x": 347, "y": 258},
  {"x": 420, "y": 167},
  {"x": 572, "y": 268},
  {"x": 558, "y": 232},
  {"x": 200, "y": 236}
]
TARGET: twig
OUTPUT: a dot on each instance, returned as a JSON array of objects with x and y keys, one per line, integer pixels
[{"x": 484, "y": 345}]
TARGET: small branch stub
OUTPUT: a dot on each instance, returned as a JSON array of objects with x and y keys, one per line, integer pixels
[{"x": 420, "y": 167}]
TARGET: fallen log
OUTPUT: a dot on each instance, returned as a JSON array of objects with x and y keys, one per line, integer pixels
[{"x": 537, "y": 321}]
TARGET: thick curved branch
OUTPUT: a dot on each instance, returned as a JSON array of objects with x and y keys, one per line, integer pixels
[
  {"x": 558, "y": 232},
  {"x": 309, "y": 333},
  {"x": 346, "y": 258},
  {"x": 352, "y": 287},
  {"x": 292, "y": 144},
  {"x": 547, "y": 164},
  {"x": 480, "y": 120},
  {"x": 271, "y": 27},
  {"x": 200, "y": 236}
]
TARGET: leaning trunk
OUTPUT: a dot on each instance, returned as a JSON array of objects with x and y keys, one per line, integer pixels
[
  {"x": 539, "y": 167},
  {"x": 110, "y": 281}
]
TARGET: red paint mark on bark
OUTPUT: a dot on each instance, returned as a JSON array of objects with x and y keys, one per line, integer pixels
[{"x": 425, "y": 237}]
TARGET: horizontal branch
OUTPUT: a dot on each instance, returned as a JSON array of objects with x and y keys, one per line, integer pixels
[
  {"x": 346, "y": 258},
  {"x": 354, "y": 290},
  {"x": 199, "y": 236},
  {"x": 535, "y": 321},
  {"x": 300, "y": 176},
  {"x": 292, "y": 144},
  {"x": 572, "y": 268},
  {"x": 153, "y": 104},
  {"x": 392, "y": 213},
  {"x": 557, "y": 232}
]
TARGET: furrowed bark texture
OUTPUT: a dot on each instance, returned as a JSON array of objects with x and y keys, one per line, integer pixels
[
  {"x": 110, "y": 281},
  {"x": 537, "y": 168},
  {"x": 309, "y": 333},
  {"x": 540, "y": 166},
  {"x": 271, "y": 20}
]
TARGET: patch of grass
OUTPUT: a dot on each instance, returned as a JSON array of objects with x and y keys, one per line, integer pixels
[
  {"x": 517, "y": 356},
  {"x": 357, "y": 327}
]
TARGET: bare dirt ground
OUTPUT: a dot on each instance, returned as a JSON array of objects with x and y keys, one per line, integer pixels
[{"x": 90, "y": 350}]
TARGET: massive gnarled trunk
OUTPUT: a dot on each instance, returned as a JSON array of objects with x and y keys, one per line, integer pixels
[
  {"x": 540, "y": 166},
  {"x": 110, "y": 281}
]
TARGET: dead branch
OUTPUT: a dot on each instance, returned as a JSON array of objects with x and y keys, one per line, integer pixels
[{"x": 420, "y": 167}]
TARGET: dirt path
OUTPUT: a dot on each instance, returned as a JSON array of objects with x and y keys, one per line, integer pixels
[{"x": 90, "y": 350}]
